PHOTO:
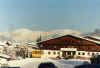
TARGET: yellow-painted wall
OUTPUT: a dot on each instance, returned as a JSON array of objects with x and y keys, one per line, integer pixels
[{"x": 36, "y": 53}]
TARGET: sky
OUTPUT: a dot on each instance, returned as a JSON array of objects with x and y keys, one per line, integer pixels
[{"x": 45, "y": 15}]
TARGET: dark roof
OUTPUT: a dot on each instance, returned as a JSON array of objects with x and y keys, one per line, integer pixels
[{"x": 75, "y": 36}]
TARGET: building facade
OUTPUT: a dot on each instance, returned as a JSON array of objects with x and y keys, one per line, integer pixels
[{"x": 70, "y": 45}]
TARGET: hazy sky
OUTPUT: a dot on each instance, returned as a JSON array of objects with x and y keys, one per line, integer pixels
[{"x": 82, "y": 15}]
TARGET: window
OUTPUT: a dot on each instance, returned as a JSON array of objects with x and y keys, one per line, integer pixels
[
  {"x": 54, "y": 53},
  {"x": 83, "y": 53},
  {"x": 97, "y": 53},
  {"x": 73, "y": 52},
  {"x": 88, "y": 53},
  {"x": 49, "y": 53},
  {"x": 58, "y": 53},
  {"x": 92, "y": 54},
  {"x": 79, "y": 53}
]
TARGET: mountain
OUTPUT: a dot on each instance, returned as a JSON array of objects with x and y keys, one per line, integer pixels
[
  {"x": 96, "y": 32},
  {"x": 61, "y": 32},
  {"x": 26, "y": 34}
]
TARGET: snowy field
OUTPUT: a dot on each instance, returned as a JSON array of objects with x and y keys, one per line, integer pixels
[{"x": 34, "y": 63}]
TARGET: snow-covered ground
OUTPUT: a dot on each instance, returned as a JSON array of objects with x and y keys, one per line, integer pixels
[
  {"x": 34, "y": 63},
  {"x": 73, "y": 62}
]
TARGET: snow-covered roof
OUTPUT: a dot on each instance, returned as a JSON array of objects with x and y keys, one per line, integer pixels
[
  {"x": 3, "y": 44},
  {"x": 96, "y": 37},
  {"x": 33, "y": 43},
  {"x": 4, "y": 56},
  {"x": 78, "y": 36},
  {"x": 98, "y": 42}
]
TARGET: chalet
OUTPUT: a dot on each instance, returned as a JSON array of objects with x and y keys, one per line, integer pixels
[{"x": 70, "y": 45}]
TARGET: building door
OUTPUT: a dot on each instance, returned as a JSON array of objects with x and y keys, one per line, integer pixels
[
  {"x": 68, "y": 53},
  {"x": 64, "y": 54},
  {"x": 73, "y": 53}
]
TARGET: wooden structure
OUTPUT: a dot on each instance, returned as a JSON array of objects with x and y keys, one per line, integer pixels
[{"x": 72, "y": 45}]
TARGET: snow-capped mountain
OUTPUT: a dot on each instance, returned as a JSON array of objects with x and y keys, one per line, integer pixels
[
  {"x": 96, "y": 32},
  {"x": 26, "y": 34},
  {"x": 58, "y": 33}
]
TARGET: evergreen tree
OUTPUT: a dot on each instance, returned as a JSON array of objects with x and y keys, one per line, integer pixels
[{"x": 39, "y": 39}]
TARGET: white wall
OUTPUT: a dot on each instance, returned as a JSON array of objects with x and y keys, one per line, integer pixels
[
  {"x": 1, "y": 49},
  {"x": 51, "y": 55},
  {"x": 87, "y": 54}
]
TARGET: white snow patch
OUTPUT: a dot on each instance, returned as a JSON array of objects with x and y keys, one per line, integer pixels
[{"x": 34, "y": 63}]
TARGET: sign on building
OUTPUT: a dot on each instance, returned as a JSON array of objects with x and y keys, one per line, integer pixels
[{"x": 68, "y": 49}]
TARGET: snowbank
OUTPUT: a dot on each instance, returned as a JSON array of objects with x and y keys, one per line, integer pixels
[
  {"x": 73, "y": 62},
  {"x": 34, "y": 63}
]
